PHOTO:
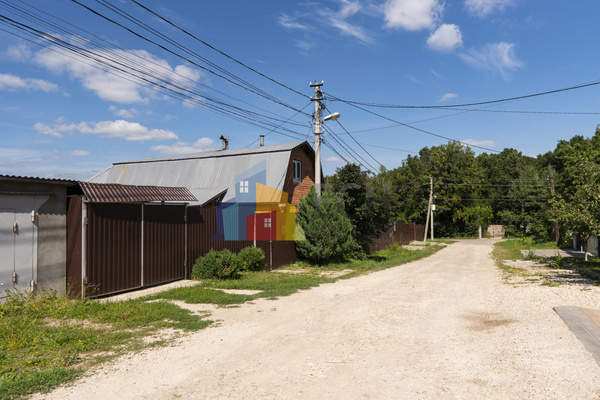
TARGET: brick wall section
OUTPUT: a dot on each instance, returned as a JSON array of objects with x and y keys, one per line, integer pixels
[{"x": 296, "y": 191}]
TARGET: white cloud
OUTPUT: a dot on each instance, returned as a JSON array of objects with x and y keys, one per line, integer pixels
[
  {"x": 448, "y": 96},
  {"x": 130, "y": 113},
  {"x": 494, "y": 56},
  {"x": 333, "y": 159},
  {"x": 80, "y": 153},
  {"x": 108, "y": 86},
  {"x": 483, "y": 143},
  {"x": 289, "y": 22},
  {"x": 202, "y": 144},
  {"x": 344, "y": 26},
  {"x": 120, "y": 129},
  {"x": 412, "y": 15},
  {"x": 349, "y": 8},
  {"x": 483, "y": 8},
  {"x": 446, "y": 38},
  {"x": 47, "y": 130},
  {"x": 12, "y": 82},
  {"x": 304, "y": 45},
  {"x": 19, "y": 52}
]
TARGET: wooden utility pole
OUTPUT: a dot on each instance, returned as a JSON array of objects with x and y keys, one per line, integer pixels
[
  {"x": 429, "y": 208},
  {"x": 556, "y": 232}
]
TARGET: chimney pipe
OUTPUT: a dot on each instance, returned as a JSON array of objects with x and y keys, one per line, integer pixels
[
  {"x": 225, "y": 140},
  {"x": 262, "y": 140}
]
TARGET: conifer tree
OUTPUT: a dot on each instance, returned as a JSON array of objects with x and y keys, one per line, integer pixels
[{"x": 327, "y": 229}]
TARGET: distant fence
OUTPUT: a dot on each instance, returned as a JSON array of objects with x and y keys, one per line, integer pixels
[{"x": 400, "y": 233}]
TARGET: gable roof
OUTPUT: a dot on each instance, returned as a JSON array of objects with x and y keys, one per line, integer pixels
[{"x": 207, "y": 175}]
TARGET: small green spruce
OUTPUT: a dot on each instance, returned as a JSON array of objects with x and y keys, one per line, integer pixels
[{"x": 327, "y": 229}]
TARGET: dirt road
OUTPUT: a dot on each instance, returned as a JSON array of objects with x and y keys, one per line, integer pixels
[{"x": 443, "y": 327}]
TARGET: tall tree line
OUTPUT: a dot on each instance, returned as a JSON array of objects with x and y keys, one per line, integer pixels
[{"x": 506, "y": 188}]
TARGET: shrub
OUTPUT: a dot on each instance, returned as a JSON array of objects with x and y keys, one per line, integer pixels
[
  {"x": 251, "y": 258},
  {"x": 216, "y": 264}
]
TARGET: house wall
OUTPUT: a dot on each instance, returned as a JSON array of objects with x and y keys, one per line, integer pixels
[
  {"x": 298, "y": 190},
  {"x": 39, "y": 246}
]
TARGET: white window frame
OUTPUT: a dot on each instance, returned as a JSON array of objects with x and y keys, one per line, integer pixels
[
  {"x": 297, "y": 171},
  {"x": 244, "y": 186},
  {"x": 267, "y": 222}
]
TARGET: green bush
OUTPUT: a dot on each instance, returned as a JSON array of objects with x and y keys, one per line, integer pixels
[
  {"x": 217, "y": 264},
  {"x": 251, "y": 258}
]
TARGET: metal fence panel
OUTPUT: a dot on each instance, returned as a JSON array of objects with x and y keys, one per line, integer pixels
[
  {"x": 164, "y": 244},
  {"x": 114, "y": 235}
]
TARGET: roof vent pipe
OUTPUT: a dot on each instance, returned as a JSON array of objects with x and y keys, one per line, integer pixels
[
  {"x": 225, "y": 140},
  {"x": 262, "y": 140}
]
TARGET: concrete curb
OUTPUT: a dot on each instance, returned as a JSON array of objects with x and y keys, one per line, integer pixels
[{"x": 583, "y": 327}]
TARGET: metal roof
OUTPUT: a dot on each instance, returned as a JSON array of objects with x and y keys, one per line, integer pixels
[
  {"x": 37, "y": 179},
  {"x": 223, "y": 153},
  {"x": 206, "y": 174},
  {"x": 116, "y": 193}
]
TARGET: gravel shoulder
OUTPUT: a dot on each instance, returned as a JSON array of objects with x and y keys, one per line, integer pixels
[{"x": 448, "y": 326}]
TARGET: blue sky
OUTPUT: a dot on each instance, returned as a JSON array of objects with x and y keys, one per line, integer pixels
[{"x": 67, "y": 116}]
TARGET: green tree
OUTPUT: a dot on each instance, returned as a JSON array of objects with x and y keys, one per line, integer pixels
[
  {"x": 525, "y": 209},
  {"x": 367, "y": 202},
  {"x": 327, "y": 229},
  {"x": 578, "y": 185}
]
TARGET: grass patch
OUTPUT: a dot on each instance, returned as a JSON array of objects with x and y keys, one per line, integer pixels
[
  {"x": 275, "y": 284},
  {"x": 46, "y": 340},
  {"x": 592, "y": 265}
]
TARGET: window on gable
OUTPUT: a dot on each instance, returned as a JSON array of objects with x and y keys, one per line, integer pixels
[
  {"x": 297, "y": 171},
  {"x": 244, "y": 187}
]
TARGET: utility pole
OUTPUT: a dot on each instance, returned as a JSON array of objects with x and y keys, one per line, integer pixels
[
  {"x": 556, "y": 232},
  {"x": 429, "y": 210},
  {"x": 318, "y": 107},
  {"x": 432, "y": 210}
]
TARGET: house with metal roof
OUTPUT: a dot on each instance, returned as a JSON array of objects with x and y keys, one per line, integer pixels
[
  {"x": 256, "y": 189},
  {"x": 222, "y": 174}
]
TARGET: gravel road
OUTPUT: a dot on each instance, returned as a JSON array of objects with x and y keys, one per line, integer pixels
[{"x": 448, "y": 326}]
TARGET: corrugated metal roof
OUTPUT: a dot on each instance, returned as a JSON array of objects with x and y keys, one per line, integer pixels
[
  {"x": 206, "y": 195},
  {"x": 37, "y": 179},
  {"x": 214, "y": 170},
  {"x": 116, "y": 193},
  {"x": 223, "y": 153}
]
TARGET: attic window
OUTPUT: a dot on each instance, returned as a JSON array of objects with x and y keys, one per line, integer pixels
[
  {"x": 297, "y": 171},
  {"x": 244, "y": 187}
]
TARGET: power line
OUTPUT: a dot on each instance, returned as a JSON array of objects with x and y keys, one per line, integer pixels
[
  {"x": 232, "y": 78},
  {"x": 418, "y": 129},
  {"x": 381, "y": 105},
  {"x": 345, "y": 130},
  {"x": 217, "y": 50},
  {"x": 139, "y": 73}
]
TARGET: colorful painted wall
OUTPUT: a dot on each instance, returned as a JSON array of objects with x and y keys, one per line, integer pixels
[{"x": 257, "y": 212}]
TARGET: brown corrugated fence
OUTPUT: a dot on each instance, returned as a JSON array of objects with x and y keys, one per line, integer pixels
[
  {"x": 400, "y": 233},
  {"x": 133, "y": 245}
]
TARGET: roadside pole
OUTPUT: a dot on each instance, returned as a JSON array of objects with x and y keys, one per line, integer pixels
[{"x": 429, "y": 210}]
